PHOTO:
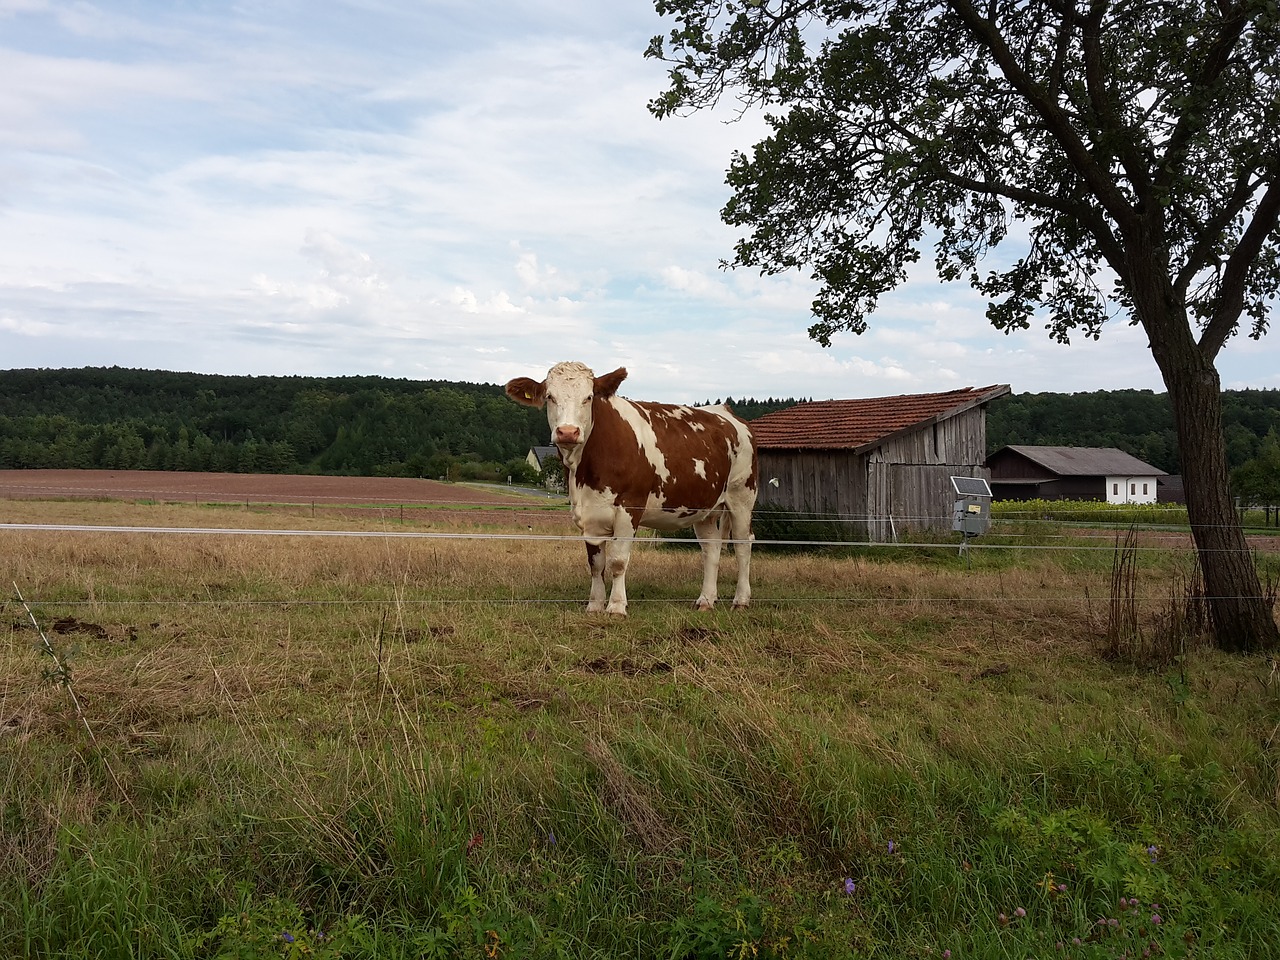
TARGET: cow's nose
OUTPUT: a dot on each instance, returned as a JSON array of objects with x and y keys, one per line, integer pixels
[{"x": 567, "y": 434}]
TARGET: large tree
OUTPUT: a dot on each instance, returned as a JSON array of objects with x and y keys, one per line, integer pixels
[{"x": 1128, "y": 152}]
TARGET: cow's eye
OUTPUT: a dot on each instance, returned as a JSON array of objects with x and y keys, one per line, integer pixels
[
  {"x": 588, "y": 400},
  {"x": 550, "y": 398}
]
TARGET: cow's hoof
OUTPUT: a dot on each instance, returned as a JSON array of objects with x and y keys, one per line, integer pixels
[
  {"x": 616, "y": 611},
  {"x": 595, "y": 608},
  {"x": 701, "y": 604},
  {"x": 741, "y": 606}
]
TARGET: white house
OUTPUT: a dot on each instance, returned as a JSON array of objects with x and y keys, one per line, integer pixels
[{"x": 1132, "y": 489}]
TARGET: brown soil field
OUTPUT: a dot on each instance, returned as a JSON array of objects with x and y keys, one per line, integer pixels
[
  {"x": 286, "y": 493},
  {"x": 241, "y": 488}
]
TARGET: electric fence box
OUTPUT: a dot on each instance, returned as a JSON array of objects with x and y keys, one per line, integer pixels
[{"x": 972, "y": 515}]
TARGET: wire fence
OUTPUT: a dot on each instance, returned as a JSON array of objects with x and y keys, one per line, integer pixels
[
  {"x": 925, "y": 532},
  {"x": 398, "y": 520}
]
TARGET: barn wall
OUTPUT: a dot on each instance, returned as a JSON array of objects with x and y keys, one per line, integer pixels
[
  {"x": 1009, "y": 464},
  {"x": 903, "y": 484},
  {"x": 1079, "y": 488},
  {"x": 826, "y": 485}
]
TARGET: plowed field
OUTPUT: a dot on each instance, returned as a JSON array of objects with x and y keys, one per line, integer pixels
[{"x": 242, "y": 488}]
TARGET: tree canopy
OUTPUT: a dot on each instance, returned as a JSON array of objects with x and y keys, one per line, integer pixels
[
  {"x": 1074, "y": 131},
  {"x": 1123, "y": 150}
]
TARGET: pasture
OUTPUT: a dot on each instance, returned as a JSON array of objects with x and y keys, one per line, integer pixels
[{"x": 225, "y": 745}]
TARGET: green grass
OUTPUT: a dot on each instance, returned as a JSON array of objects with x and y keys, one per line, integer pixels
[{"x": 367, "y": 748}]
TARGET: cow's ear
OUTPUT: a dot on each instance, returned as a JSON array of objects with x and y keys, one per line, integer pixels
[
  {"x": 607, "y": 385},
  {"x": 528, "y": 392}
]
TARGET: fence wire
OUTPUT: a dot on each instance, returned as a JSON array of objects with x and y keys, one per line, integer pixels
[{"x": 1022, "y": 533}]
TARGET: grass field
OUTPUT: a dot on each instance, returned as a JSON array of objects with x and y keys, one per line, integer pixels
[{"x": 240, "y": 746}]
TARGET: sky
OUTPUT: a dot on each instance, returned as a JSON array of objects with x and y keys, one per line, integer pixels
[{"x": 433, "y": 190}]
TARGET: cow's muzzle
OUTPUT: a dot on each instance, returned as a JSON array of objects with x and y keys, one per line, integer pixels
[{"x": 569, "y": 436}]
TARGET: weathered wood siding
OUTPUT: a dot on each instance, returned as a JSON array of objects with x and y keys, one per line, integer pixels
[
  {"x": 910, "y": 475},
  {"x": 824, "y": 485},
  {"x": 902, "y": 484}
]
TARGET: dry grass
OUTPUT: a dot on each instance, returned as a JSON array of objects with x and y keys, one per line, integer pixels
[{"x": 368, "y": 640}]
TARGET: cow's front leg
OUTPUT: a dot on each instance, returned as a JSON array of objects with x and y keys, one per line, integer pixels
[
  {"x": 619, "y": 555},
  {"x": 596, "y": 552}
]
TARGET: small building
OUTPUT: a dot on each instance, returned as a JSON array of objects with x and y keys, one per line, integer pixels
[
  {"x": 1021, "y": 472},
  {"x": 877, "y": 466},
  {"x": 537, "y": 454}
]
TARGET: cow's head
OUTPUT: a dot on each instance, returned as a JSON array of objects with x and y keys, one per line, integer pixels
[{"x": 569, "y": 391}]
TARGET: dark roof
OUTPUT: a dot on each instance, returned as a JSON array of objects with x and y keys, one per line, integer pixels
[
  {"x": 1083, "y": 461},
  {"x": 857, "y": 424}
]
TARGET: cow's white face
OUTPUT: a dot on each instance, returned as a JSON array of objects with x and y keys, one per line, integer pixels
[
  {"x": 568, "y": 392},
  {"x": 570, "y": 388}
]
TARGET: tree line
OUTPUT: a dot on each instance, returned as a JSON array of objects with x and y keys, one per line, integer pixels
[
  {"x": 1138, "y": 422},
  {"x": 116, "y": 418},
  {"x": 125, "y": 419}
]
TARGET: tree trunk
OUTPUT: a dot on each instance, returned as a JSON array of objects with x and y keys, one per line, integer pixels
[{"x": 1241, "y": 617}]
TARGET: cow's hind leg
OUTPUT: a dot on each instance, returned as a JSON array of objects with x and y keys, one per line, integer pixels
[
  {"x": 739, "y": 523},
  {"x": 596, "y": 554},
  {"x": 708, "y": 534}
]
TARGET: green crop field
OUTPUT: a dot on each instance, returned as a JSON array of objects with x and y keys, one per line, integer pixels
[{"x": 249, "y": 746}]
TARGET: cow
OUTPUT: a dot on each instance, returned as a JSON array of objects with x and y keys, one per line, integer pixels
[{"x": 632, "y": 464}]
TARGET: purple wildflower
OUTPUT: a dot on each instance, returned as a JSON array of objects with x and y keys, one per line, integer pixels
[
  {"x": 891, "y": 846},
  {"x": 849, "y": 886},
  {"x": 1020, "y": 913},
  {"x": 551, "y": 837},
  {"x": 286, "y": 936},
  {"x": 1153, "y": 852},
  {"x": 1155, "y": 918}
]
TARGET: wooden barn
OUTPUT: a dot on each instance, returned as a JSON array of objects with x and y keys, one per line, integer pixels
[{"x": 880, "y": 466}]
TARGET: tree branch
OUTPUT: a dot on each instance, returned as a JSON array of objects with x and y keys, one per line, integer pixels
[
  {"x": 1232, "y": 288},
  {"x": 1215, "y": 61},
  {"x": 1086, "y": 214},
  {"x": 1200, "y": 254},
  {"x": 1056, "y": 122},
  {"x": 1109, "y": 122}
]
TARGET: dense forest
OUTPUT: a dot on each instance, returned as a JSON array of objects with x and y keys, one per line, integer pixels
[
  {"x": 118, "y": 418},
  {"x": 147, "y": 419},
  {"x": 1137, "y": 421},
  {"x": 121, "y": 419}
]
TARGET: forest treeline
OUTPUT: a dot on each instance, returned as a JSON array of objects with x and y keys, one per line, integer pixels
[
  {"x": 124, "y": 419},
  {"x": 1138, "y": 422},
  {"x": 114, "y": 418}
]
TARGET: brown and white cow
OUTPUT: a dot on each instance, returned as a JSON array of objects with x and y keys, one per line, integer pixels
[{"x": 659, "y": 465}]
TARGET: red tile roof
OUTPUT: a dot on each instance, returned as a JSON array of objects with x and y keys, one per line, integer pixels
[{"x": 853, "y": 424}]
